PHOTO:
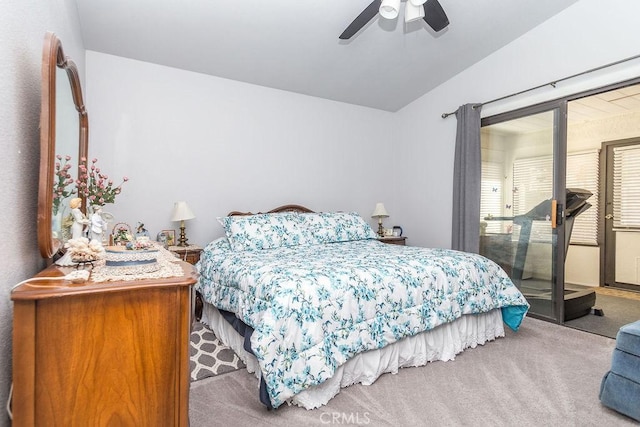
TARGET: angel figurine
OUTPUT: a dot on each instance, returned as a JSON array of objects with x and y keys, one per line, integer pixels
[
  {"x": 98, "y": 225},
  {"x": 78, "y": 224},
  {"x": 79, "y": 220}
]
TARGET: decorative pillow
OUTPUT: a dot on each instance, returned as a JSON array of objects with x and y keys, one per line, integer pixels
[
  {"x": 219, "y": 245},
  {"x": 262, "y": 231},
  {"x": 331, "y": 227}
]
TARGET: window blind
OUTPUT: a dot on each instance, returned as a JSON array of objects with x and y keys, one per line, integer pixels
[
  {"x": 491, "y": 201},
  {"x": 532, "y": 183},
  {"x": 583, "y": 171},
  {"x": 626, "y": 187}
]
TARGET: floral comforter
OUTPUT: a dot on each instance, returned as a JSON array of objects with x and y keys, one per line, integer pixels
[{"x": 314, "y": 307}]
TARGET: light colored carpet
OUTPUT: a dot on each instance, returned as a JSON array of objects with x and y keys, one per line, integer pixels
[{"x": 543, "y": 375}]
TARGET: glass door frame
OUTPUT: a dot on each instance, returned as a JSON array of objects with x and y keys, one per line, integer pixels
[
  {"x": 559, "y": 109},
  {"x": 608, "y": 241}
]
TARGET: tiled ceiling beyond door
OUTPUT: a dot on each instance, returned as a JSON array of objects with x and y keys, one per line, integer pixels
[{"x": 595, "y": 107}]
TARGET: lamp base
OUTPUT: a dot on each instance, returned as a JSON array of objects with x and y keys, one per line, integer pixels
[
  {"x": 183, "y": 237},
  {"x": 380, "y": 229}
]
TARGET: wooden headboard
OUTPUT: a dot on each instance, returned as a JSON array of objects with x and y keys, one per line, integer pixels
[{"x": 285, "y": 208}]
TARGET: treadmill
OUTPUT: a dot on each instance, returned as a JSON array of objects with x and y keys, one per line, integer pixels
[{"x": 577, "y": 303}]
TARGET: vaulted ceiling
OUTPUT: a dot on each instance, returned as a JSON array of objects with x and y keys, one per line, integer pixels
[{"x": 293, "y": 45}]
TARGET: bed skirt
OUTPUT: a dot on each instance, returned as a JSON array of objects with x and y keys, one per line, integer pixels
[{"x": 441, "y": 343}]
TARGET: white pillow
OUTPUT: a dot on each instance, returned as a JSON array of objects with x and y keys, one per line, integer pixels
[
  {"x": 262, "y": 231},
  {"x": 332, "y": 227}
]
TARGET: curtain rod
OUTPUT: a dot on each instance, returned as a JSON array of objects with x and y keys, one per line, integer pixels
[{"x": 552, "y": 83}]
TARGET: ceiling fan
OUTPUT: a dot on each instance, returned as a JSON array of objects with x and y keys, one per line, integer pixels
[{"x": 429, "y": 10}]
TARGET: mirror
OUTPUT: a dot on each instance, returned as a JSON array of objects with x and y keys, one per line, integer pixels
[{"x": 64, "y": 131}]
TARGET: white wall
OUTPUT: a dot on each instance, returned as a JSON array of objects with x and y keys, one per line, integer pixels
[
  {"x": 223, "y": 145},
  {"x": 22, "y": 28},
  {"x": 583, "y": 36}
]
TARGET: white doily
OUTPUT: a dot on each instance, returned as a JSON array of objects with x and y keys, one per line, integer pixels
[{"x": 166, "y": 266}]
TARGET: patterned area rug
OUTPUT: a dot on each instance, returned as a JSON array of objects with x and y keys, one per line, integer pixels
[{"x": 208, "y": 356}]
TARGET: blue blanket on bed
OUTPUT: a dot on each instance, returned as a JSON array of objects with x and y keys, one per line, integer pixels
[{"x": 314, "y": 307}]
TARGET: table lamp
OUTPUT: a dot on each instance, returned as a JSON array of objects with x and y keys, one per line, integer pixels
[
  {"x": 380, "y": 212},
  {"x": 182, "y": 212}
]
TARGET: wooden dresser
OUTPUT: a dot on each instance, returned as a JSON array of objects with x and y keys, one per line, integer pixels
[{"x": 110, "y": 353}]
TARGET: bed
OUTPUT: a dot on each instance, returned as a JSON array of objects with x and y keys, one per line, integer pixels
[{"x": 314, "y": 302}]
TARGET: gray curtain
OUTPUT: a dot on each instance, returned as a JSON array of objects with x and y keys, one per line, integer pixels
[{"x": 467, "y": 168}]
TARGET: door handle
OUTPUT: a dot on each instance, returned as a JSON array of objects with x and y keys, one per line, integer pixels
[
  {"x": 556, "y": 214},
  {"x": 608, "y": 216}
]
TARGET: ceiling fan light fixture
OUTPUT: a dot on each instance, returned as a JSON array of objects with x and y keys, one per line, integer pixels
[
  {"x": 413, "y": 12},
  {"x": 389, "y": 9},
  {"x": 432, "y": 13}
]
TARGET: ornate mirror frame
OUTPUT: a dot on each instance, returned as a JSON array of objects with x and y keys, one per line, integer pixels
[{"x": 54, "y": 62}]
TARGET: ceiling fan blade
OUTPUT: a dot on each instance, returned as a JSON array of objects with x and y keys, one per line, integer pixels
[
  {"x": 434, "y": 15},
  {"x": 362, "y": 19}
]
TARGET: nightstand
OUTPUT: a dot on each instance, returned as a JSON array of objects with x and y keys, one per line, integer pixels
[
  {"x": 190, "y": 254},
  {"x": 394, "y": 240}
]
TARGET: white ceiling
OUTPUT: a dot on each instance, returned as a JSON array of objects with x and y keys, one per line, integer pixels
[{"x": 293, "y": 45}]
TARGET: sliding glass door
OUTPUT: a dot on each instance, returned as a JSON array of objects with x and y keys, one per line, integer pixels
[{"x": 522, "y": 200}]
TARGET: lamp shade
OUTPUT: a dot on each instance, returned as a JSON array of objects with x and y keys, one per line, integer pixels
[
  {"x": 379, "y": 211},
  {"x": 389, "y": 9},
  {"x": 181, "y": 212},
  {"x": 413, "y": 12},
  {"x": 417, "y": 2}
]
